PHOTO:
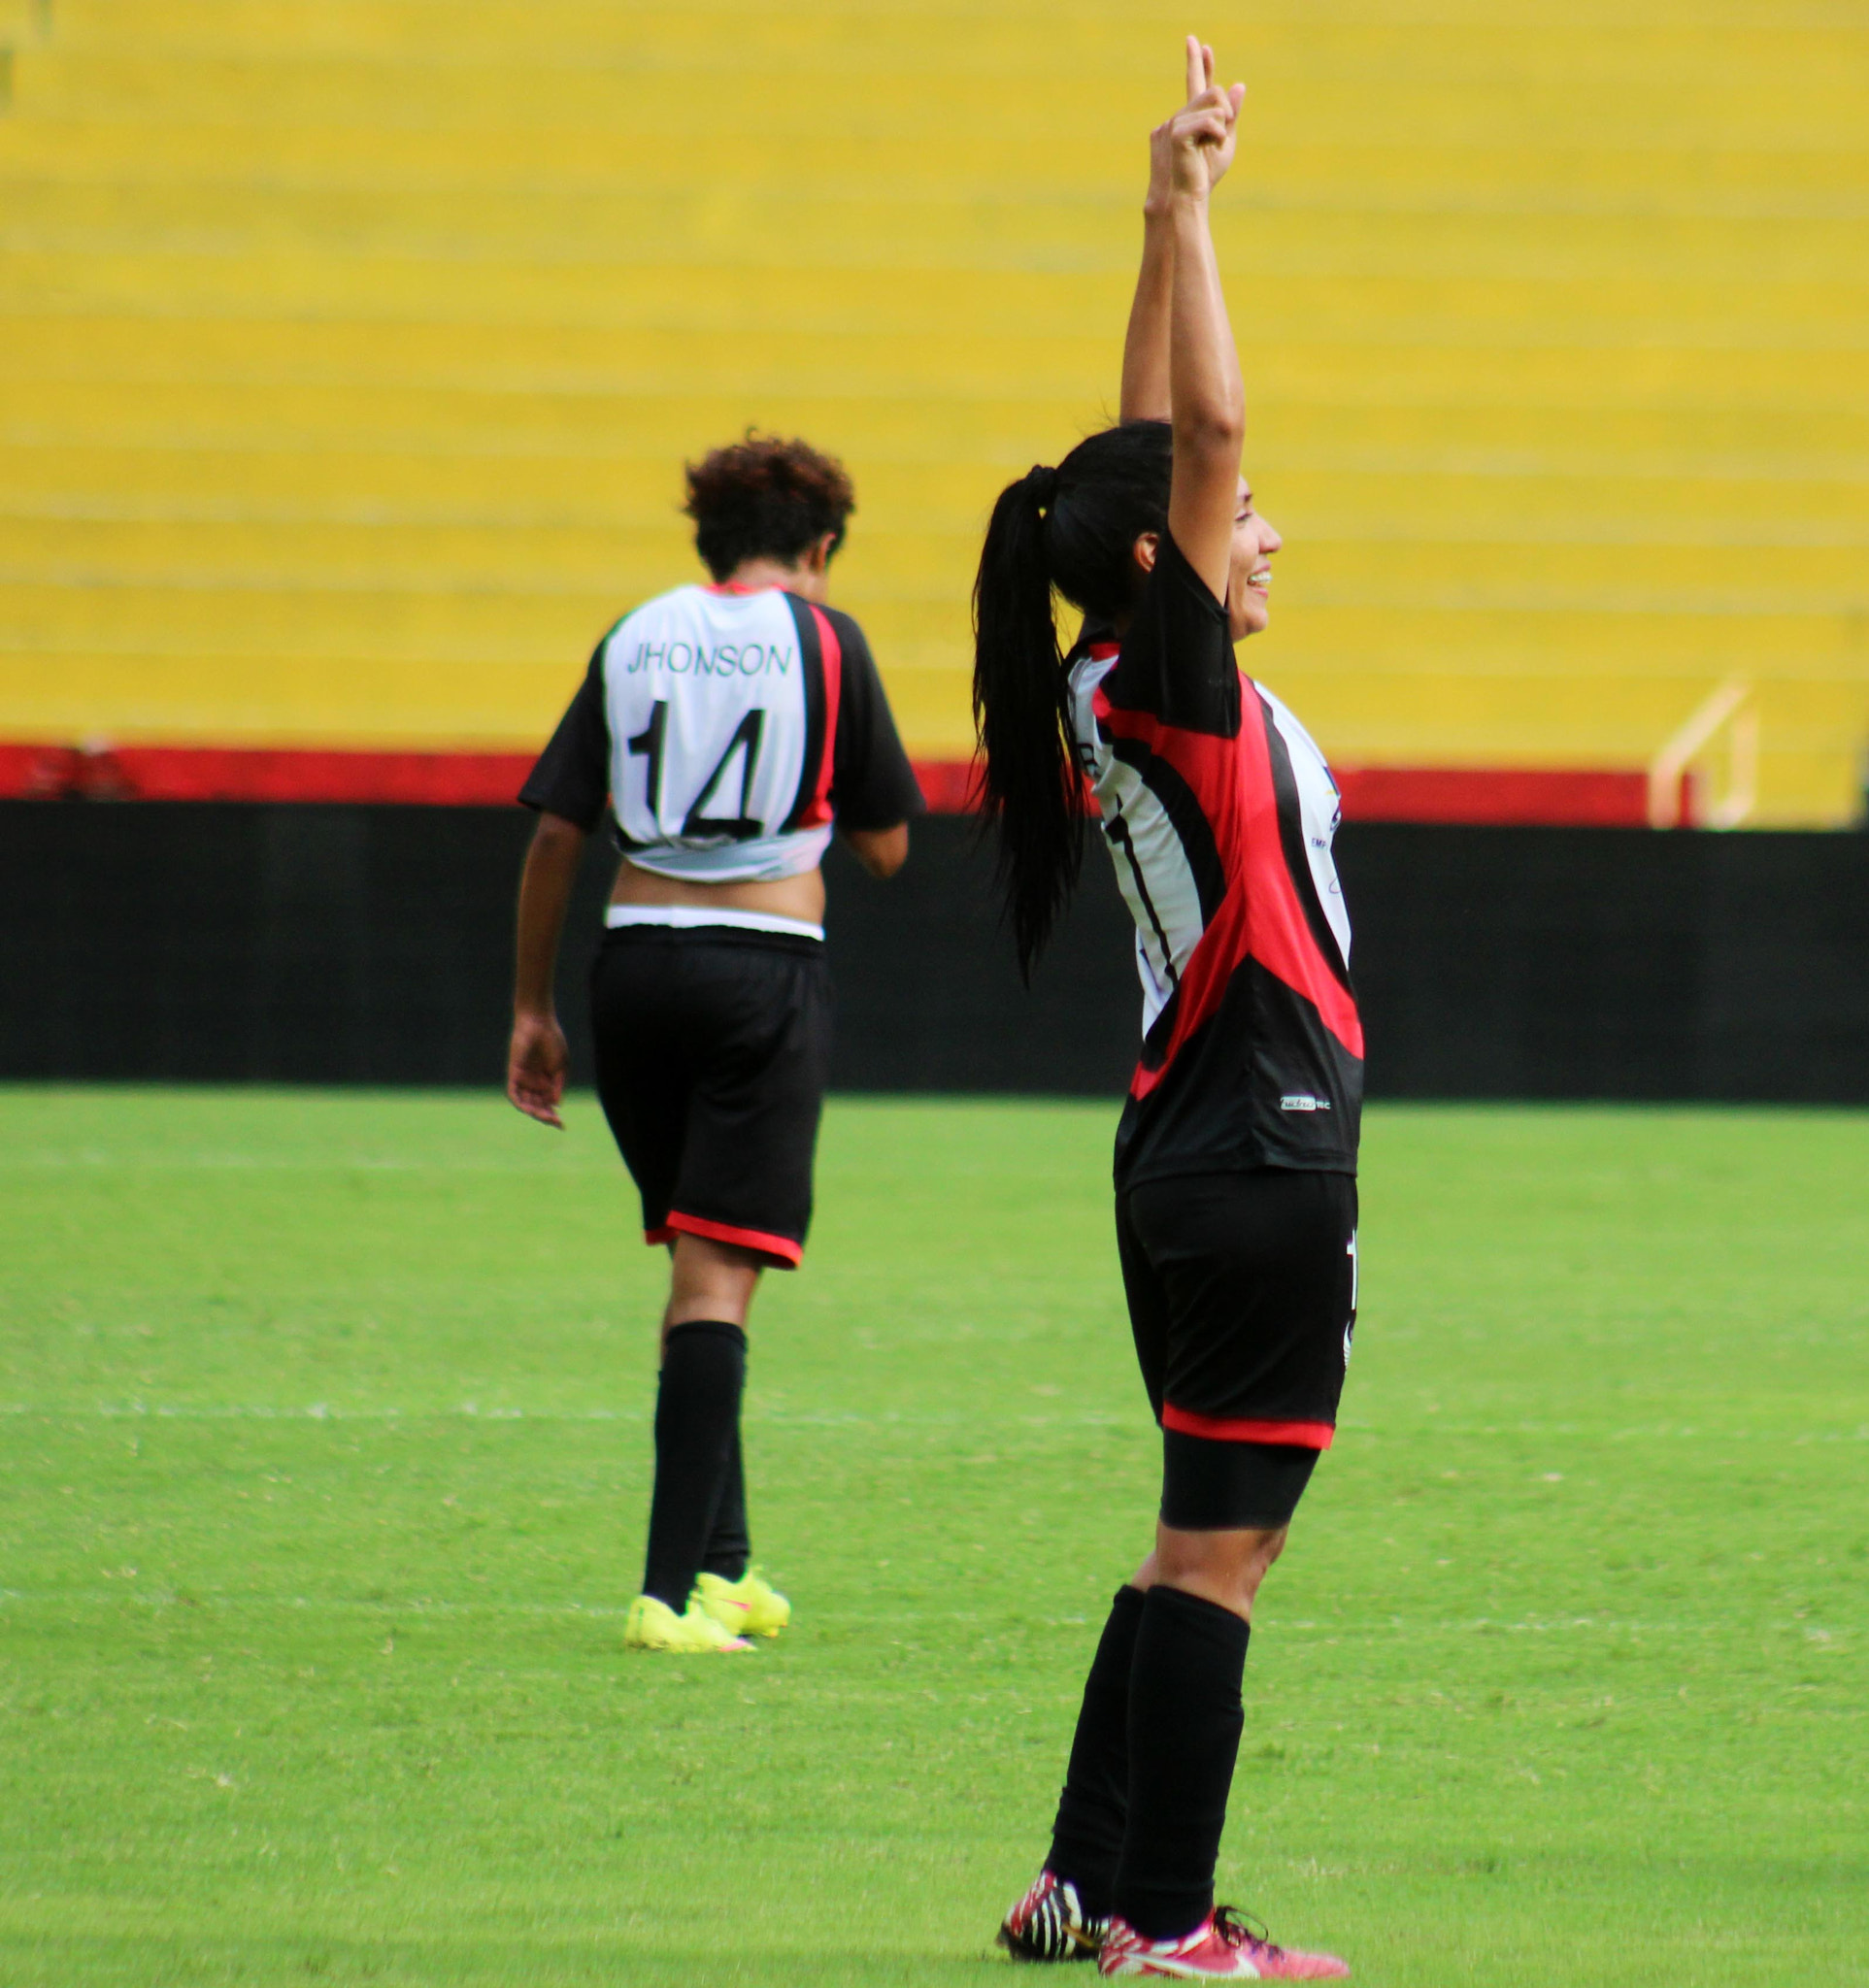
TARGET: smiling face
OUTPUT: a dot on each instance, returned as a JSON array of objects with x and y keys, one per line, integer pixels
[
  {"x": 1248, "y": 572},
  {"x": 1249, "y": 569}
]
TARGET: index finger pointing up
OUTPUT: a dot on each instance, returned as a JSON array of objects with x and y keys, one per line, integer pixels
[{"x": 1196, "y": 68}]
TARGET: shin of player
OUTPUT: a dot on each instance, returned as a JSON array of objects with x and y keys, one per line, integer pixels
[
  {"x": 1236, "y": 1154},
  {"x": 726, "y": 730}
]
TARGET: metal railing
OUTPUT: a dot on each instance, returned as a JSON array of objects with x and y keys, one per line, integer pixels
[{"x": 1673, "y": 790}]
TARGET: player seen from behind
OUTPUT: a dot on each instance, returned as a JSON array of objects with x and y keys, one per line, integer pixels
[
  {"x": 731, "y": 727},
  {"x": 1236, "y": 1155}
]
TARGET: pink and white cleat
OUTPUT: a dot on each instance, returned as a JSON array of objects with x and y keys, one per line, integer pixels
[
  {"x": 1220, "y": 1948},
  {"x": 1049, "y": 1924}
]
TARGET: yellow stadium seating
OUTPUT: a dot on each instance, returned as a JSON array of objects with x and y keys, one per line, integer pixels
[{"x": 353, "y": 349}]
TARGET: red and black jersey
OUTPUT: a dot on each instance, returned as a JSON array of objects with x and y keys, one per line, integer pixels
[{"x": 1219, "y": 814}]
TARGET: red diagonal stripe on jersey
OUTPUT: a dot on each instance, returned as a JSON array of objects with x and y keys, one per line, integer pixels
[
  {"x": 1282, "y": 935},
  {"x": 1260, "y": 916},
  {"x": 831, "y": 650}
]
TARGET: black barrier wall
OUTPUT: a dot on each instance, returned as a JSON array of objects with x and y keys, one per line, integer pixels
[{"x": 349, "y": 945}]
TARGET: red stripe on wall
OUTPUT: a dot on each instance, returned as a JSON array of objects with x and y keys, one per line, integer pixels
[
  {"x": 1576, "y": 797},
  {"x": 947, "y": 785},
  {"x": 207, "y": 773},
  {"x": 1542, "y": 796}
]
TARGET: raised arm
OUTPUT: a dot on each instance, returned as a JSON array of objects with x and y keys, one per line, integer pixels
[
  {"x": 1206, "y": 396},
  {"x": 1144, "y": 345}
]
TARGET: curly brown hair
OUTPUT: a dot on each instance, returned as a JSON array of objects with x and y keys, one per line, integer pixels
[{"x": 765, "y": 498}]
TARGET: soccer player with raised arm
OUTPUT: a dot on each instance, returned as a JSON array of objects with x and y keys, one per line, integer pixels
[
  {"x": 1236, "y": 1154},
  {"x": 729, "y": 728}
]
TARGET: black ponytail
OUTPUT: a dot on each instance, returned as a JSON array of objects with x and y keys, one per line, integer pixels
[
  {"x": 1073, "y": 529},
  {"x": 1026, "y": 776}
]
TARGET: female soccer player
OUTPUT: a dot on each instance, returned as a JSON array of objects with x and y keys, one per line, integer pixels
[
  {"x": 730, "y": 727},
  {"x": 1235, "y": 1158}
]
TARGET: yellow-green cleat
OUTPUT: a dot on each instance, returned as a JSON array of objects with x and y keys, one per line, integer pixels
[
  {"x": 652, "y": 1625},
  {"x": 748, "y": 1607}
]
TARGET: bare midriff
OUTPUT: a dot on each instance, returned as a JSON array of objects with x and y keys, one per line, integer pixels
[{"x": 800, "y": 897}]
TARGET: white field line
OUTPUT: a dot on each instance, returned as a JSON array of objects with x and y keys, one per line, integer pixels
[
  {"x": 472, "y": 1411},
  {"x": 1344, "y": 1629},
  {"x": 263, "y": 1163},
  {"x": 787, "y": 1418}
]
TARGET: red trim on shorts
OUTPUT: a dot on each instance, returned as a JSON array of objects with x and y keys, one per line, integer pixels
[
  {"x": 657, "y": 1236},
  {"x": 1247, "y": 1428},
  {"x": 781, "y": 1249}
]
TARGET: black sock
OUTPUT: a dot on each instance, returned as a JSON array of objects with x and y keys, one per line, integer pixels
[
  {"x": 729, "y": 1546},
  {"x": 1184, "y": 1721},
  {"x": 697, "y": 1408},
  {"x": 1087, "y": 1840}
]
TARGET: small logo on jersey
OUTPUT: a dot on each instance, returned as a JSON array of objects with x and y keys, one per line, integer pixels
[
  {"x": 1303, "y": 1101},
  {"x": 1355, "y": 1279}
]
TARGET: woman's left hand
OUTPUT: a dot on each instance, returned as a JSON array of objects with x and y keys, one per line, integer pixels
[
  {"x": 537, "y": 1062},
  {"x": 1205, "y": 128}
]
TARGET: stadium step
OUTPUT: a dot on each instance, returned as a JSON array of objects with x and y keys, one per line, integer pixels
[{"x": 354, "y": 346}]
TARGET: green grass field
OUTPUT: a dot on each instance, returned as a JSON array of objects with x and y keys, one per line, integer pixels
[{"x": 326, "y": 1423}]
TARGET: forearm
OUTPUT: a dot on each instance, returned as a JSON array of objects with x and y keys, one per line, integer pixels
[
  {"x": 1205, "y": 395},
  {"x": 1144, "y": 345},
  {"x": 545, "y": 890},
  {"x": 882, "y": 851}
]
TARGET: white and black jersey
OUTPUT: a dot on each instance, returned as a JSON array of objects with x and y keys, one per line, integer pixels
[
  {"x": 1218, "y": 812},
  {"x": 728, "y": 728}
]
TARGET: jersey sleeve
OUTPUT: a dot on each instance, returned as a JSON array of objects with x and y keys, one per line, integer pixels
[
  {"x": 572, "y": 776},
  {"x": 1177, "y": 660},
  {"x": 872, "y": 783}
]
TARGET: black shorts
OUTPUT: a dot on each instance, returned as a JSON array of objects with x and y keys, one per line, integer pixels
[
  {"x": 713, "y": 1052},
  {"x": 1241, "y": 1292}
]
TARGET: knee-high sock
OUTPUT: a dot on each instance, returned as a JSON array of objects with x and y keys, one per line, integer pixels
[
  {"x": 1184, "y": 1721},
  {"x": 729, "y": 1545},
  {"x": 697, "y": 1410},
  {"x": 1087, "y": 1840}
]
